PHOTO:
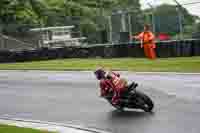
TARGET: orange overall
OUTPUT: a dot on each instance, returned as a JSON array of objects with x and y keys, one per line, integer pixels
[{"x": 147, "y": 42}]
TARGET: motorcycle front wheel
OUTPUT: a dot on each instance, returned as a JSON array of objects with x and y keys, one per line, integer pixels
[{"x": 144, "y": 102}]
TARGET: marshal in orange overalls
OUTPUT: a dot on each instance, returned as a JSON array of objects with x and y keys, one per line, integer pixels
[{"x": 147, "y": 39}]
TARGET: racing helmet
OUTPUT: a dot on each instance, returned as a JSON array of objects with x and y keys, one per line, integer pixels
[{"x": 99, "y": 73}]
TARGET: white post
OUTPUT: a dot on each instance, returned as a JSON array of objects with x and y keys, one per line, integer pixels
[
  {"x": 180, "y": 15},
  {"x": 110, "y": 28},
  {"x": 130, "y": 27},
  {"x": 123, "y": 21}
]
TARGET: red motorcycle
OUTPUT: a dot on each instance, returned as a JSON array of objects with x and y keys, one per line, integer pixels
[{"x": 132, "y": 99}]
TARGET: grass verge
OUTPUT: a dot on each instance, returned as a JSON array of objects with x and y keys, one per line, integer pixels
[
  {"x": 13, "y": 129},
  {"x": 183, "y": 64}
]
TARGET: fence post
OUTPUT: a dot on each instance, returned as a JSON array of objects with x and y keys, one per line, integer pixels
[
  {"x": 1, "y": 42},
  {"x": 110, "y": 29},
  {"x": 130, "y": 27}
]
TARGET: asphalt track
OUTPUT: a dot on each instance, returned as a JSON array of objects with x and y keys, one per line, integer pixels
[{"x": 72, "y": 98}]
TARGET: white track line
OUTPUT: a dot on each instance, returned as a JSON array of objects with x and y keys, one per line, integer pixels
[{"x": 50, "y": 126}]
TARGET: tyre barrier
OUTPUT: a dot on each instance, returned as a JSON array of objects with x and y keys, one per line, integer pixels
[{"x": 182, "y": 48}]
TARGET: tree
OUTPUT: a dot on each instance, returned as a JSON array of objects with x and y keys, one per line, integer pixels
[
  {"x": 89, "y": 15},
  {"x": 16, "y": 16},
  {"x": 167, "y": 18},
  {"x": 128, "y": 4}
]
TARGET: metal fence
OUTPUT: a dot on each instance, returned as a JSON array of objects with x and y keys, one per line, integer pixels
[
  {"x": 113, "y": 29},
  {"x": 10, "y": 43},
  {"x": 177, "y": 24},
  {"x": 123, "y": 24}
]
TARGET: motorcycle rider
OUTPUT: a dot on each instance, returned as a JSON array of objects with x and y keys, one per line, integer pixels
[{"x": 111, "y": 81}]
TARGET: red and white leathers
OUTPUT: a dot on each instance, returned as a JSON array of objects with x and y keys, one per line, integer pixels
[{"x": 115, "y": 83}]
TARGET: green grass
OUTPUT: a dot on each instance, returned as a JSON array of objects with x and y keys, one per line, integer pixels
[
  {"x": 13, "y": 129},
  {"x": 186, "y": 64}
]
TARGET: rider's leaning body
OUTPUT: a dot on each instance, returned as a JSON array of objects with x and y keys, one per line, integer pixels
[{"x": 111, "y": 81}]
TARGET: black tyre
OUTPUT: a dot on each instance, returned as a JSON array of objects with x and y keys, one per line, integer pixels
[{"x": 145, "y": 103}]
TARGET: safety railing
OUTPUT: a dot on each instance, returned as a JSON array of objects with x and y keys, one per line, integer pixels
[{"x": 11, "y": 43}]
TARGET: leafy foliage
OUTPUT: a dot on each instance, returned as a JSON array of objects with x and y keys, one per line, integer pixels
[
  {"x": 89, "y": 16},
  {"x": 167, "y": 19}
]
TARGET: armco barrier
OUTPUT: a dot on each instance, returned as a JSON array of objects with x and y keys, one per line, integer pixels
[{"x": 183, "y": 48}]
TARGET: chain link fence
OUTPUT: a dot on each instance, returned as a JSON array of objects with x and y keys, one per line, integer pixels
[
  {"x": 10, "y": 43},
  {"x": 173, "y": 23},
  {"x": 114, "y": 29},
  {"x": 123, "y": 24},
  {"x": 94, "y": 31}
]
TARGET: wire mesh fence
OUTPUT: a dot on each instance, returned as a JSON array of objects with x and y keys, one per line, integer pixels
[
  {"x": 10, "y": 43},
  {"x": 115, "y": 28}
]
